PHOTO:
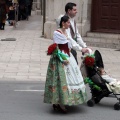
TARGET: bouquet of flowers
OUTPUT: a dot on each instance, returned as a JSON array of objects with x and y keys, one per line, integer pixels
[
  {"x": 89, "y": 60},
  {"x": 53, "y": 50}
]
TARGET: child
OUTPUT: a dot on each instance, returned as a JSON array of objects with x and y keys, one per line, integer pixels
[{"x": 105, "y": 76}]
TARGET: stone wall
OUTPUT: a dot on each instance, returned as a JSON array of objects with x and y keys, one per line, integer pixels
[
  {"x": 36, "y": 4},
  {"x": 56, "y": 7}
]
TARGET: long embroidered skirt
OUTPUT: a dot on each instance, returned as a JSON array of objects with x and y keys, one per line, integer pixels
[{"x": 64, "y": 84}]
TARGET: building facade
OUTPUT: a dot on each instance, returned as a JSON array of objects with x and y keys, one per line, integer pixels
[
  {"x": 56, "y": 7},
  {"x": 98, "y": 21},
  {"x": 95, "y": 18},
  {"x": 37, "y": 4}
]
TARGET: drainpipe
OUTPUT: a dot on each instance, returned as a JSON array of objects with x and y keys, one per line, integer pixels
[
  {"x": 44, "y": 16},
  {"x": 41, "y": 6}
]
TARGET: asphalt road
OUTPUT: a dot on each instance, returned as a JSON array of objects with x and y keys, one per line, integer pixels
[{"x": 24, "y": 101}]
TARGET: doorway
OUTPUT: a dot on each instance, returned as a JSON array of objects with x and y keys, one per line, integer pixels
[{"x": 105, "y": 16}]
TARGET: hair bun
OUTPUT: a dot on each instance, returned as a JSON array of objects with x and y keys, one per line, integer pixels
[{"x": 58, "y": 20}]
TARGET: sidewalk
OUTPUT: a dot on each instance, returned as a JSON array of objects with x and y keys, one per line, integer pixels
[{"x": 25, "y": 59}]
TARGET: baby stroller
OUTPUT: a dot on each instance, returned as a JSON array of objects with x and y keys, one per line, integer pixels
[{"x": 98, "y": 85}]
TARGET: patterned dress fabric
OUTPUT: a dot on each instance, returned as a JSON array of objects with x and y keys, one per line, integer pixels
[{"x": 64, "y": 83}]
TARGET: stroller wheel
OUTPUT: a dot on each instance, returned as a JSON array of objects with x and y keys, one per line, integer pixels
[
  {"x": 117, "y": 106},
  {"x": 90, "y": 103},
  {"x": 96, "y": 100}
]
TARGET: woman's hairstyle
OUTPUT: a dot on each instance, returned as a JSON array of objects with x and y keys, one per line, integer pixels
[
  {"x": 70, "y": 6},
  {"x": 63, "y": 19}
]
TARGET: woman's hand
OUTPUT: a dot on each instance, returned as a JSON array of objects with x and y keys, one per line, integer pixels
[{"x": 65, "y": 62}]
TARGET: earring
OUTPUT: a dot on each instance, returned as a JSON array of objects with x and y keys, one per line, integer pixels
[{"x": 63, "y": 27}]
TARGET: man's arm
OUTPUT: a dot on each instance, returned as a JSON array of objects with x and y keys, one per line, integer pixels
[
  {"x": 80, "y": 40},
  {"x": 74, "y": 44}
]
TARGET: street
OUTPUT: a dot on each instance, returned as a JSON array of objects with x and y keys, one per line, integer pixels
[
  {"x": 24, "y": 101},
  {"x": 23, "y": 67}
]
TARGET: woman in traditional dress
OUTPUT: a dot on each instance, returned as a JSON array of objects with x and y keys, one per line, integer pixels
[{"x": 64, "y": 82}]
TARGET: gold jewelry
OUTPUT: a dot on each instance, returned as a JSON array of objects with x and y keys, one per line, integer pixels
[{"x": 63, "y": 27}]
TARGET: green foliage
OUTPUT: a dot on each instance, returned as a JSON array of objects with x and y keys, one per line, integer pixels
[{"x": 89, "y": 81}]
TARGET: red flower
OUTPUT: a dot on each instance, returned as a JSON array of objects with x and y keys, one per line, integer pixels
[
  {"x": 51, "y": 49},
  {"x": 89, "y": 61}
]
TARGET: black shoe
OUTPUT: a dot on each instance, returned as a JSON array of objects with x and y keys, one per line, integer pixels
[
  {"x": 63, "y": 110},
  {"x": 57, "y": 107},
  {"x": 3, "y": 26}
]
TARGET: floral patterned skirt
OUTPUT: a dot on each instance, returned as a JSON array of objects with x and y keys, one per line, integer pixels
[{"x": 64, "y": 84}]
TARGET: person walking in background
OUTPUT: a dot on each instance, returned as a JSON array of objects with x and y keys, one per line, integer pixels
[
  {"x": 71, "y": 11},
  {"x": 9, "y": 3},
  {"x": 22, "y": 10},
  {"x": 30, "y": 7},
  {"x": 64, "y": 82},
  {"x": 3, "y": 12},
  {"x": 11, "y": 16}
]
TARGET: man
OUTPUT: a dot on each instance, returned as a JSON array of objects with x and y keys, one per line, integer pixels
[
  {"x": 71, "y": 11},
  {"x": 22, "y": 9},
  {"x": 30, "y": 7}
]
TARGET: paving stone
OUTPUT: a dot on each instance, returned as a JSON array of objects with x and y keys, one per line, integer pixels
[{"x": 26, "y": 59}]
